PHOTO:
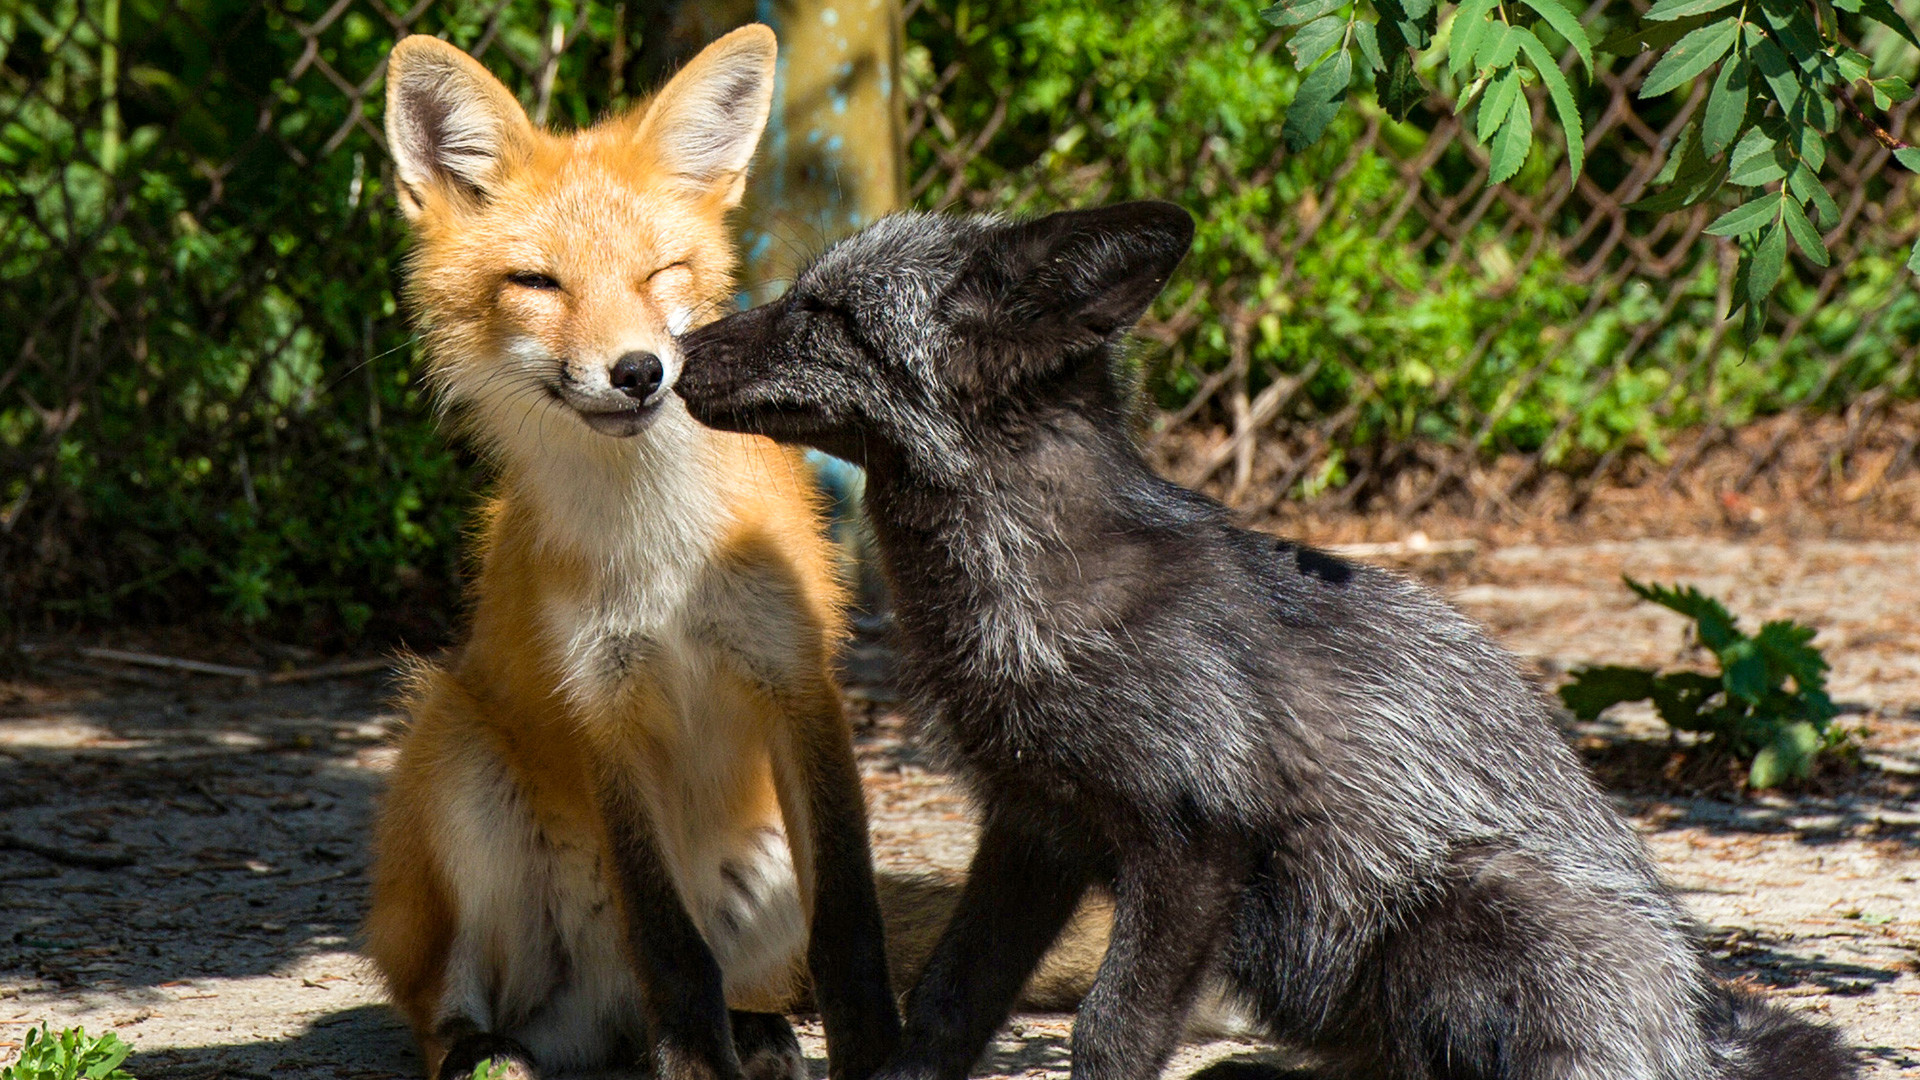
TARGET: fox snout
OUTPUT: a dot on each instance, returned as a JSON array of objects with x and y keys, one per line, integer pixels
[
  {"x": 718, "y": 364},
  {"x": 639, "y": 375}
]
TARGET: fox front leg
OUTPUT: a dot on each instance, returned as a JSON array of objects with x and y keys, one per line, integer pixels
[
  {"x": 825, "y": 810},
  {"x": 682, "y": 998},
  {"x": 1172, "y": 910},
  {"x": 1018, "y": 896}
]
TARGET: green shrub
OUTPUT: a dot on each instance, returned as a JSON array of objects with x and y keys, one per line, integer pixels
[
  {"x": 1419, "y": 334},
  {"x": 1768, "y": 705},
  {"x": 69, "y": 1055}
]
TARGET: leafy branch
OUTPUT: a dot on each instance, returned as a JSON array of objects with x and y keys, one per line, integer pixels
[{"x": 1782, "y": 76}]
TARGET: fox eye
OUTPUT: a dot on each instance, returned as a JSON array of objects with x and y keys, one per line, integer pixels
[
  {"x": 528, "y": 279},
  {"x": 680, "y": 265}
]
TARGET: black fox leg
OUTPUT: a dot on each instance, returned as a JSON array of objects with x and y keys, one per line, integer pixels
[
  {"x": 846, "y": 944},
  {"x": 682, "y": 998},
  {"x": 1017, "y": 897},
  {"x": 767, "y": 1047},
  {"x": 467, "y": 1046},
  {"x": 1170, "y": 916}
]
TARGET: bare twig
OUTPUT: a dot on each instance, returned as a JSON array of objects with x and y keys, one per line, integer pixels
[
  {"x": 337, "y": 670},
  {"x": 171, "y": 663}
]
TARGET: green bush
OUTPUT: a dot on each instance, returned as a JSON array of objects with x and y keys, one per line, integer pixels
[
  {"x": 194, "y": 263},
  {"x": 1767, "y": 706},
  {"x": 69, "y": 1055},
  {"x": 1187, "y": 102}
]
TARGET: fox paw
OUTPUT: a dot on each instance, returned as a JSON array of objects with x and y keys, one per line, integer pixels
[
  {"x": 481, "y": 1056},
  {"x": 767, "y": 1047}
]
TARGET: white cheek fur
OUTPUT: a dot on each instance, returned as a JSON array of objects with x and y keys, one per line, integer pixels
[{"x": 678, "y": 320}]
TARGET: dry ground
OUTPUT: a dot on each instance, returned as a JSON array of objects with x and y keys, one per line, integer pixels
[{"x": 225, "y": 826}]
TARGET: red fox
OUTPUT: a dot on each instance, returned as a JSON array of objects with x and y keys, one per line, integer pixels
[{"x": 627, "y": 808}]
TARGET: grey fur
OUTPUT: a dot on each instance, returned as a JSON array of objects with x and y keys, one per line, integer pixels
[{"x": 1311, "y": 777}]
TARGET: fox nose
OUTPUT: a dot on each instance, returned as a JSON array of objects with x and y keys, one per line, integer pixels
[{"x": 637, "y": 375}]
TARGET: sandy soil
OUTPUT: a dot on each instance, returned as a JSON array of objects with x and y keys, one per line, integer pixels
[{"x": 181, "y": 858}]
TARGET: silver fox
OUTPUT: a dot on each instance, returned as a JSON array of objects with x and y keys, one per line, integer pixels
[{"x": 1308, "y": 778}]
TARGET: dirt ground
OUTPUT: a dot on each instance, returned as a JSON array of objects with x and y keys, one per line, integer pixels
[{"x": 182, "y": 857}]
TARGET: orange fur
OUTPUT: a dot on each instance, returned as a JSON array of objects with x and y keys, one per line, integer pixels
[{"x": 653, "y": 615}]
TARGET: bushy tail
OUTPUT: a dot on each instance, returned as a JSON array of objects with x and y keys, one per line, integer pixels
[{"x": 1761, "y": 1041}]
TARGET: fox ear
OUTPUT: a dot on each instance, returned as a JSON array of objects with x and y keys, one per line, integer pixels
[
  {"x": 705, "y": 123},
  {"x": 449, "y": 122},
  {"x": 1098, "y": 269}
]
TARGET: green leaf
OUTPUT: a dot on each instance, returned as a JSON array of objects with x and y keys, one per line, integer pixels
[
  {"x": 1744, "y": 220},
  {"x": 1413, "y": 20},
  {"x": 1636, "y": 38},
  {"x": 1470, "y": 24},
  {"x": 1769, "y": 259},
  {"x": 1594, "y": 690},
  {"x": 1689, "y": 189},
  {"x": 1810, "y": 147},
  {"x": 1819, "y": 111},
  {"x": 1788, "y": 756},
  {"x": 1767, "y": 770},
  {"x": 1807, "y": 188},
  {"x": 1853, "y": 66},
  {"x": 1567, "y": 25},
  {"x": 1806, "y": 237},
  {"x": 1680, "y": 698},
  {"x": 1774, "y": 69},
  {"x": 1913, "y": 260},
  {"x": 1496, "y": 105},
  {"x": 1403, "y": 91},
  {"x": 116, "y": 1052},
  {"x": 1890, "y": 91},
  {"x": 1511, "y": 142},
  {"x": 1882, "y": 12},
  {"x": 1296, "y": 12},
  {"x": 1316, "y": 102},
  {"x": 1788, "y": 646},
  {"x": 1793, "y": 28},
  {"x": 1667, "y": 10},
  {"x": 1312, "y": 41},
  {"x": 1755, "y": 158},
  {"x": 1908, "y": 156},
  {"x": 1763, "y": 168},
  {"x": 1369, "y": 43},
  {"x": 1743, "y": 671},
  {"x": 1497, "y": 48},
  {"x": 1684, "y": 158},
  {"x": 1727, "y": 105},
  {"x": 1564, "y": 103},
  {"x": 1714, "y": 622},
  {"x": 1694, "y": 54}
]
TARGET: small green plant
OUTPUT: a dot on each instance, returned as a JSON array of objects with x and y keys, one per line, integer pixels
[
  {"x": 1768, "y": 705},
  {"x": 69, "y": 1055}
]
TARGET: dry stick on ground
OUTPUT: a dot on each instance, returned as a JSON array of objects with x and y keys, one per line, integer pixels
[{"x": 199, "y": 667}]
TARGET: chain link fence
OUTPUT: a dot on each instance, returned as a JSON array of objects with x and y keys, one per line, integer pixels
[
  {"x": 1634, "y": 375},
  {"x": 205, "y": 385}
]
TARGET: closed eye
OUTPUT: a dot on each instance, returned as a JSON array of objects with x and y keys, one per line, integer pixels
[
  {"x": 814, "y": 305},
  {"x": 528, "y": 279},
  {"x": 680, "y": 265}
]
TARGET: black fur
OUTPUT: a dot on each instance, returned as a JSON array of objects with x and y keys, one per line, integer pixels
[{"x": 1308, "y": 777}]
